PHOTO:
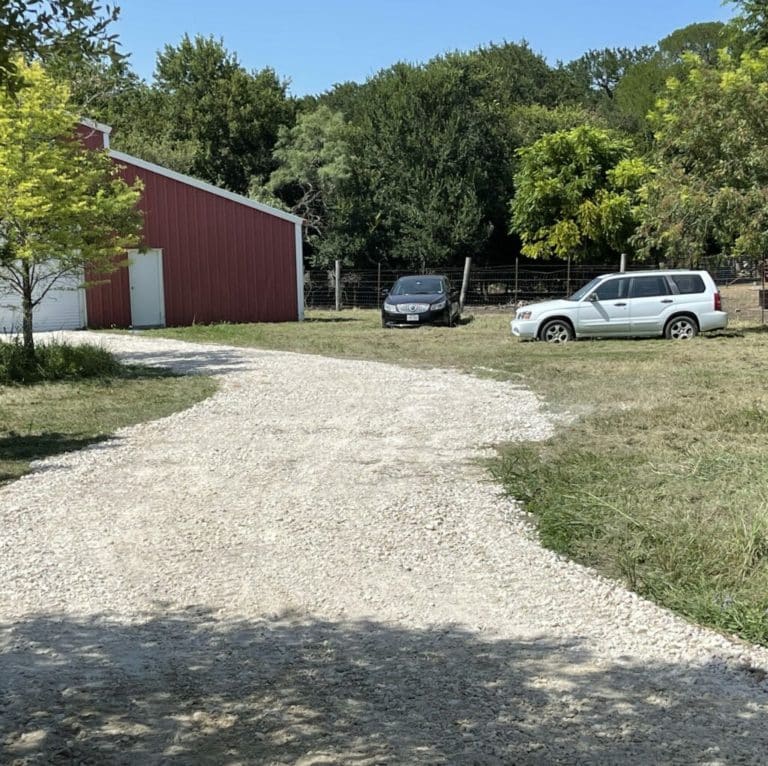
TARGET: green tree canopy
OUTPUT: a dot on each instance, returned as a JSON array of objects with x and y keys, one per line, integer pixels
[
  {"x": 576, "y": 194},
  {"x": 230, "y": 117},
  {"x": 77, "y": 29},
  {"x": 63, "y": 208},
  {"x": 313, "y": 168},
  {"x": 711, "y": 189},
  {"x": 750, "y": 26}
]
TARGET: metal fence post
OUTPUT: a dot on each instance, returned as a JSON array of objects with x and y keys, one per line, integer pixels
[
  {"x": 338, "y": 285},
  {"x": 517, "y": 275}
]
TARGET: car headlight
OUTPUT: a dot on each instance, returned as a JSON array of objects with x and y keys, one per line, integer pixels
[
  {"x": 391, "y": 308},
  {"x": 524, "y": 314},
  {"x": 439, "y": 305}
]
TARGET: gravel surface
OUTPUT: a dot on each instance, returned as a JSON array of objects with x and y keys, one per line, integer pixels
[{"x": 310, "y": 567}]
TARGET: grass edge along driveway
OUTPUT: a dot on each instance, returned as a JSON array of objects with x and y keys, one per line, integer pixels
[{"x": 46, "y": 419}]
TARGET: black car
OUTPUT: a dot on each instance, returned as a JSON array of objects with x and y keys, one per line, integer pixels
[{"x": 421, "y": 299}]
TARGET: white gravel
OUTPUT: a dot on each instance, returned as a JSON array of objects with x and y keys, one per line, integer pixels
[{"x": 310, "y": 567}]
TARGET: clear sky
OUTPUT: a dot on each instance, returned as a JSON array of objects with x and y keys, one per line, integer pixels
[{"x": 317, "y": 43}]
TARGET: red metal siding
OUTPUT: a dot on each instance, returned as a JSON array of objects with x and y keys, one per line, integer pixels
[
  {"x": 223, "y": 261},
  {"x": 92, "y": 138}
]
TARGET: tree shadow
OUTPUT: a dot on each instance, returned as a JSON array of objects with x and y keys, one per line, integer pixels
[
  {"x": 187, "y": 686},
  {"x": 15, "y": 448},
  {"x": 197, "y": 359}
]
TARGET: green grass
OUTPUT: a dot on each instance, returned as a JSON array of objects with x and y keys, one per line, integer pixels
[
  {"x": 45, "y": 419},
  {"x": 658, "y": 476},
  {"x": 55, "y": 360}
]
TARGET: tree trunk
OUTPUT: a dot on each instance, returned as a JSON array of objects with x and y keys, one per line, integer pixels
[{"x": 26, "y": 310}]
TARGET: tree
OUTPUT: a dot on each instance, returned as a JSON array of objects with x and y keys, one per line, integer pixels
[
  {"x": 45, "y": 28},
  {"x": 705, "y": 39},
  {"x": 63, "y": 208},
  {"x": 643, "y": 82},
  {"x": 750, "y": 26},
  {"x": 429, "y": 163},
  {"x": 711, "y": 189},
  {"x": 576, "y": 194},
  {"x": 602, "y": 70},
  {"x": 228, "y": 117},
  {"x": 313, "y": 165}
]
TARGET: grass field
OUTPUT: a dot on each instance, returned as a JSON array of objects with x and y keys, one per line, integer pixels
[
  {"x": 50, "y": 418},
  {"x": 657, "y": 477}
]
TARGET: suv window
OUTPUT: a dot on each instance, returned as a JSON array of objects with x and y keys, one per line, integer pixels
[
  {"x": 648, "y": 287},
  {"x": 688, "y": 283},
  {"x": 613, "y": 288}
]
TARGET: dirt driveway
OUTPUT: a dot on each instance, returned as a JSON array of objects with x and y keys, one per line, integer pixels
[{"x": 310, "y": 568}]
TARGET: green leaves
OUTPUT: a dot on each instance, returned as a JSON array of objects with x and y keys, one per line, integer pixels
[
  {"x": 576, "y": 194},
  {"x": 711, "y": 150},
  {"x": 63, "y": 208}
]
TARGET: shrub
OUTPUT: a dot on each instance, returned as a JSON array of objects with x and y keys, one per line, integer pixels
[{"x": 55, "y": 360}]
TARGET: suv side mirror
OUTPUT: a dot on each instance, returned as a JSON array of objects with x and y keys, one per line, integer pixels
[{"x": 593, "y": 297}]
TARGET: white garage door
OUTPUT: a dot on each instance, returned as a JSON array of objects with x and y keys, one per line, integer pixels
[{"x": 63, "y": 308}]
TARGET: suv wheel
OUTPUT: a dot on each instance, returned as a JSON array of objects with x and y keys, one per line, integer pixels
[
  {"x": 556, "y": 331},
  {"x": 681, "y": 328}
]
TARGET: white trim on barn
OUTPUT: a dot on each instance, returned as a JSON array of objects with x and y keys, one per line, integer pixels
[
  {"x": 299, "y": 271},
  {"x": 197, "y": 184},
  {"x": 99, "y": 127}
]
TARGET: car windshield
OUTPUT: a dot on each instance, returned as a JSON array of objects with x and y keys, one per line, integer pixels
[
  {"x": 584, "y": 291},
  {"x": 418, "y": 286}
]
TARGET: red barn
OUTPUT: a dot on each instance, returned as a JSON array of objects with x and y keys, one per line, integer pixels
[{"x": 211, "y": 256}]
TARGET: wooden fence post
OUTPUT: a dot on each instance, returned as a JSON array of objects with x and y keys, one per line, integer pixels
[{"x": 464, "y": 283}]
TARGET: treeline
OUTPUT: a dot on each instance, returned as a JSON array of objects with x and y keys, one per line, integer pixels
[{"x": 657, "y": 151}]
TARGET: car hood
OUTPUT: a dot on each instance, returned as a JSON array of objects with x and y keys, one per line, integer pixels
[
  {"x": 557, "y": 305},
  {"x": 428, "y": 298}
]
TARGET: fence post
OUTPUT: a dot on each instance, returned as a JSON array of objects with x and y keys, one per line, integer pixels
[
  {"x": 623, "y": 262},
  {"x": 464, "y": 283},
  {"x": 378, "y": 283},
  {"x": 568, "y": 278},
  {"x": 338, "y": 285},
  {"x": 517, "y": 273}
]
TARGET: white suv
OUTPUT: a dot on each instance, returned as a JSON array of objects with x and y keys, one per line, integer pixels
[{"x": 675, "y": 303}]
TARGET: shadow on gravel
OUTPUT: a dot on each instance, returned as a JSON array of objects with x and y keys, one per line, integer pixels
[
  {"x": 188, "y": 361},
  {"x": 189, "y": 688}
]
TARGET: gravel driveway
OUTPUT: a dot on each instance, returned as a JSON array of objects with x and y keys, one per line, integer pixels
[{"x": 310, "y": 568}]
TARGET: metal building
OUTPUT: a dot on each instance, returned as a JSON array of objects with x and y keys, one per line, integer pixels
[{"x": 211, "y": 256}]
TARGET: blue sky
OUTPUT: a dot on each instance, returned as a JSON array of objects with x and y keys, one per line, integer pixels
[{"x": 318, "y": 43}]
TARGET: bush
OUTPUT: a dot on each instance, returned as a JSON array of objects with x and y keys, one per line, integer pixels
[{"x": 55, "y": 360}]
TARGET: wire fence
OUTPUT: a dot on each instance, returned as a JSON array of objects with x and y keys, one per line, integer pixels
[{"x": 499, "y": 286}]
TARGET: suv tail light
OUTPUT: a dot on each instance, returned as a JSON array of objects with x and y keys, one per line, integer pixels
[{"x": 718, "y": 302}]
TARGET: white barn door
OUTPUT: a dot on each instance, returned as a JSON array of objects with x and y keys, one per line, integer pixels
[
  {"x": 145, "y": 276},
  {"x": 63, "y": 308}
]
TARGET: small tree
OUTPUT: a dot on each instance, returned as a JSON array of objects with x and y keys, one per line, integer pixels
[
  {"x": 577, "y": 194},
  {"x": 63, "y": 208}
]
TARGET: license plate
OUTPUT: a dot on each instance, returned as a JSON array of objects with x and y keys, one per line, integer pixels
[{"x": 412, "y": 318}]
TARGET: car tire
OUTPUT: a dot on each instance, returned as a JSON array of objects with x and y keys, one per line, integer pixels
[
  {"x": 681, "y": 328},
  {"x": 556, "y": 331}
]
